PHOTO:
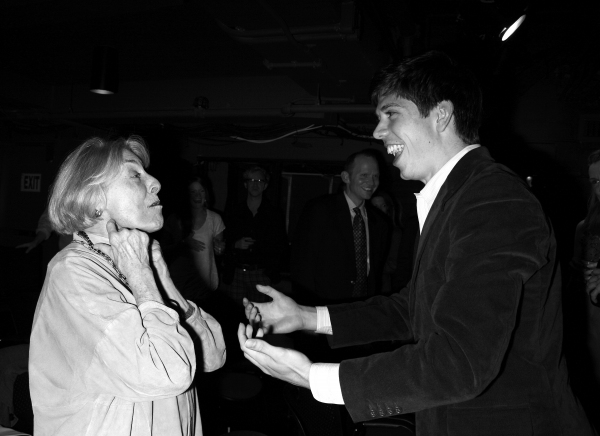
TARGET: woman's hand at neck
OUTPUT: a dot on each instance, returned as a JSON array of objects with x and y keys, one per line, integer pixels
[{"x": 131, "y": 253}]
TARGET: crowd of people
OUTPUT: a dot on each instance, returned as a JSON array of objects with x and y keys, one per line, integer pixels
[{"x": 456, "y": 317}]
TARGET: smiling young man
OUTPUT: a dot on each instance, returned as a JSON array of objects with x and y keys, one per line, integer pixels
[
  {"x": 324, "y": 264},
  {"x": 481, "y": 317}
]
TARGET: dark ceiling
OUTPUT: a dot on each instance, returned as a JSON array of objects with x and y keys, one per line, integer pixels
[{"x": 328, "y": 47}]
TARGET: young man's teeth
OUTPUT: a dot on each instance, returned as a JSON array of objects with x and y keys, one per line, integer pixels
[{"x": 394, "y": 149}]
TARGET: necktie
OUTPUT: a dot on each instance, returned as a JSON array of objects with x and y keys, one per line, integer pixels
[{"x": 360, "y": 253}]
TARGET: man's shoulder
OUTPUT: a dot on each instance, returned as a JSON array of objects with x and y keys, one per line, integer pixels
[
  {"x": 269, "y": 207},
  {"x": 492, "y": 182},
  {"x": 477, "y": 165},
  {"x": 236, "y": 208}
]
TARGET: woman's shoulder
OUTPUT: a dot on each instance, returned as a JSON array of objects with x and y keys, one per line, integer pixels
[
  {"x": 78, "y": 273},
  {"x": 214, "y": 216},
  {"x": 78, "y": 262}
]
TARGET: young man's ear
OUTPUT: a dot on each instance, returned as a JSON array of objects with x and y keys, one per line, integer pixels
[{"x": 445, "y": 111}]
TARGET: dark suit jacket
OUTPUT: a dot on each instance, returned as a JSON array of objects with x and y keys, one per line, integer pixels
[
  {"x": 323, "y": 266},
  {"x": 267, "y": 228},
  {"x": 483, "y": 311}
]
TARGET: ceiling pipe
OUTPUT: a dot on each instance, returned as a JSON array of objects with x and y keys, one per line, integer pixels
[
  {"x": 300, "y": 38},
  {"x": 293, "y": 64},
  {"x": 295, "y": 31},
  {"x": 195, "y": 114},
  {"x": 329, "y": 109},
  {"x": 346, "y": 29}
]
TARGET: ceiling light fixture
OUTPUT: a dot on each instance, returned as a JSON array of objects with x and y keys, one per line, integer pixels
[
  {"x": 105, "y": 70},
  {"x": 491, "y": 20},
  {"x": 507, "y": 32}
]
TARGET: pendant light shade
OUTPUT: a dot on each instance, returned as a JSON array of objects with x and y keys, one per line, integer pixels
[
  {"x": 491, "y": 20},
  {"x": 105, "y": 70},
  {"x": 507, "y": 32}
]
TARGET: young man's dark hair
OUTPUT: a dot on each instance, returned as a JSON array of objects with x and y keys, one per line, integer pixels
[{"x": 430, "y": 79}]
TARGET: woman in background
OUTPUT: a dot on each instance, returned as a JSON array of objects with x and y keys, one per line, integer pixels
[
  {"x": 109, "y": 354},
  {"x": 191, "y": 238}
]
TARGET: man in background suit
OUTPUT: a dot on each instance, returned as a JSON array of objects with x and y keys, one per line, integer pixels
[
  {"x": 324, "y": 267},
  {"x": 482, "y": 312}
]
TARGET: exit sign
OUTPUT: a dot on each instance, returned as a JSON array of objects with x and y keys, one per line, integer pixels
[{"x": 31, "y": 182}]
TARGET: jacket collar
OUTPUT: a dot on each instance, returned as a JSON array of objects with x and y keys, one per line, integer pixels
[{"x": 463, "y": 170}]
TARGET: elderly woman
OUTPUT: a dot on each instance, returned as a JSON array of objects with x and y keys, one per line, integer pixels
[{"x": 112, "y": 344}]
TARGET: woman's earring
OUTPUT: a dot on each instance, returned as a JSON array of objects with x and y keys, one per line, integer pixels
[{"x": 98, "y": 213}]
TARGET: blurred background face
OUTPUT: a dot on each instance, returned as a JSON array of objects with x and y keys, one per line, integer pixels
[
  {"x": 381, "y": 204},
  {"x": 594, "y": 173},
  {"x": 132, "y": 198},
  {"x": 197, "y": 194},
  {"x": 256, "y": 183},
  {"x": 363, "y": 180}
]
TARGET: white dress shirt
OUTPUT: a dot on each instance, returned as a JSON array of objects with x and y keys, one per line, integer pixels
[
  {"x": 324, "y": 378},
  {"x": 427, "y": 196}
]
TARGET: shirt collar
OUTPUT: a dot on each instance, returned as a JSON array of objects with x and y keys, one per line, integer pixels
[
  {"x": 432, "y": 188},
  {"x": 351, "y": 204}
]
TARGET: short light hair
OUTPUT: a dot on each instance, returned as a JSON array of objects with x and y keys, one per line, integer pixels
[
  {"x": 367, "y": 152},
  {"x": 256, "y": 169},
  {"x": 79, "y": 188}
]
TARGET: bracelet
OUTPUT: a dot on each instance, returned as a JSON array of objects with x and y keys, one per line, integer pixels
[{"x": 189, "y": 312}]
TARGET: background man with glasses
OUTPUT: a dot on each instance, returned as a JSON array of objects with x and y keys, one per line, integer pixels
[{"x": 256, "y": 240}]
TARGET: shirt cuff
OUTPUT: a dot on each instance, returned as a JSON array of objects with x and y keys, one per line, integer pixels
[
  {"x": 324, "y": 380},
  {"x": 323, "y": 321}
]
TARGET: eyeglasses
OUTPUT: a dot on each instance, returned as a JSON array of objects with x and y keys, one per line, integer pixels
[{"x": 259, "y": 181}]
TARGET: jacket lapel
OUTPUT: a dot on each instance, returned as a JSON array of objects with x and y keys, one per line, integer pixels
[
  {"x": 345, "y": 223},
  {"x": 456, "y": 179}
]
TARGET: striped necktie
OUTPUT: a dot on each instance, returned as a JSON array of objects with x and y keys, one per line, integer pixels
[{"x": 360, "y": 253}]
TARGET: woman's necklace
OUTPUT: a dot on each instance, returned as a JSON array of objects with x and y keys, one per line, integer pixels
[{"x": 90, "y": 245}]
